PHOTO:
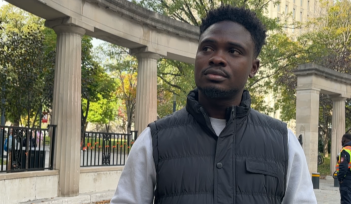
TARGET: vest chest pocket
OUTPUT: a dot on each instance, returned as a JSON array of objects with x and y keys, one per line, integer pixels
[{"x": 262, "y": 177}]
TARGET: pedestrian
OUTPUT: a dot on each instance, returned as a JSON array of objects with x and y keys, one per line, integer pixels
[
  {"x": 11, "y": 142},
  {"x": 217, "y": 149},
  {"x": 343, "y": 169}
]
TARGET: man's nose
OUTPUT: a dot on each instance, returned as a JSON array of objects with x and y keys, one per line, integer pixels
[{"x": 218, "y": 59}]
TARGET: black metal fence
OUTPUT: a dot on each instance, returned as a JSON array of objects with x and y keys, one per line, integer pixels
[
  {"x": 106, "y": 149},
  {"x": 26, "y": 149}
]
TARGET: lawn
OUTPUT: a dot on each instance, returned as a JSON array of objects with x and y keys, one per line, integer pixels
[
  {"x": 324, "y": 169},
  {"x": 2, "y": 161}
]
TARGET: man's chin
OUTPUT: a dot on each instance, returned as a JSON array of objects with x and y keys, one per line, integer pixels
[{"x": 216, "y": 93}]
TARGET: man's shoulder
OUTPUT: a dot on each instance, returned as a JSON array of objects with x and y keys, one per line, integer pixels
[
  {"x": 266, "y": 120},
  {"x": 178, "y": 118}
]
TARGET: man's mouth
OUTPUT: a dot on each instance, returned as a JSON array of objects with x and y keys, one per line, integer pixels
[{"x": 215, "y": 74}]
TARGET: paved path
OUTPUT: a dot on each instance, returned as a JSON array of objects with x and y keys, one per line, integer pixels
[{"x": 327, "y": 193}]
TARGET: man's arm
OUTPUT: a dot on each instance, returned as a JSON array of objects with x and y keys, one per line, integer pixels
[
  {"x": 137, "y": 182},
  {"x": 344, "y": 165},
  {"x": 299, "y": 182}
]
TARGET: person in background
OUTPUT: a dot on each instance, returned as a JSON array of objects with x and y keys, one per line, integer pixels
[{"x": 343, "y": 169}]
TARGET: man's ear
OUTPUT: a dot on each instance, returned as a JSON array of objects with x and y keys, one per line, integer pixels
[{"x": 254, "y": 68}]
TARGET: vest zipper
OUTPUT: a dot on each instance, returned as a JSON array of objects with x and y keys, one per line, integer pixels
[
  {"x": 207, "y": 119},
  {"x": 234, "y": 165}
]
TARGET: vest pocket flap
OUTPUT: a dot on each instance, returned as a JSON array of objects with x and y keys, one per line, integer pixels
[{"x": 260, "y": 167}]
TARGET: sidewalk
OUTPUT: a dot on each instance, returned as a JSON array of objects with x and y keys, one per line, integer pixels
[{"x": 327, "y": 193}]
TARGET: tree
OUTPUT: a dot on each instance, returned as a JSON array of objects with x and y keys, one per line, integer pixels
[
  {"x": 327, "y": 44},
  {"x": 95, "y": 82},
  {"x": 26, "y": 65},
  {"x": 103, "y": 111}
]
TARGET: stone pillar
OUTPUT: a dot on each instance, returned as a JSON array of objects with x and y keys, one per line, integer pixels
[
  {"x": 307, "y": 117},
  {"x": 66, "y": 113},
  {"x": 146, "y": 98},
  {"x": 338, "y": 129}
]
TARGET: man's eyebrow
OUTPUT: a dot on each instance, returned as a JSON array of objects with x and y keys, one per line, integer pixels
[
  {"x": 208, "y": 41},
  {"x": 234, "y": 44},
  {"x": 237, "y": 45}
]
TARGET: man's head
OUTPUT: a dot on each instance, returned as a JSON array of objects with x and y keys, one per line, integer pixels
[
  {"x": 345, "y": 139},
  {"x": 230, "y": 41}
]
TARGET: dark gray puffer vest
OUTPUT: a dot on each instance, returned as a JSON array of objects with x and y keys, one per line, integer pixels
[{"x": 246, "y": 164}]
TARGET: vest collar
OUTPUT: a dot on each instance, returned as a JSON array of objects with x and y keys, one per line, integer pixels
[{"x": 197, "y": 111}]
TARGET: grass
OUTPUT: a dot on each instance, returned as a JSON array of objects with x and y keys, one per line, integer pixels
[
  {"x": 2, "y": 161},
  {"x": 324, "y": 169}
]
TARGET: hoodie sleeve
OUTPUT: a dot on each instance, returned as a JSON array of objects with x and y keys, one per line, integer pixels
[
  {"x": 137, "y": 182},
  {"x": 299, "y": 189},
  {"x": 343, "y": 167}
]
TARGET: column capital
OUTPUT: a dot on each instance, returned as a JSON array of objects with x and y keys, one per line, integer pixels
[
  {"x": 144, "y": 52},
  {"x": 64, "y": 25},
  {"x": 338, "y": 98}
]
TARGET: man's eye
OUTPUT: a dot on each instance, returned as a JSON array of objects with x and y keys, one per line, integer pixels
[
  {"x": 207, "y": 49},
  {"x": 234, "y": 51}
]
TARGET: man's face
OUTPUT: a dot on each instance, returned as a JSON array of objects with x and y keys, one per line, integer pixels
[{"x": 225, "y": 58}]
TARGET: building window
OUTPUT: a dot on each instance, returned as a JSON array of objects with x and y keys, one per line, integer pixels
[
  {"x": 278, "y": 8},
  {"x": 286, "y": 9},
  {"x": 300, "y": 2},
  {"x": 293, "y": 29},
  {"x": 314, "y": 7},
  {"x": 294, "y": 14},
  {"x": 294, "y": 2},
  {"x": 308, "y": 5}
]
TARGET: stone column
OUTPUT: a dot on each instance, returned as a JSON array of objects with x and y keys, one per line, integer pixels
[
  {"x": 66, "y": 113},
  {"x": 338, "y": 129},
  {"x": 146, "y": 98},
  {"x": 307, "y": 111}
]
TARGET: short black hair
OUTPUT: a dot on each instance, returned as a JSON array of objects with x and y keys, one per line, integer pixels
[
  {"x": 242, "y": 16},
  {"x": 347, "y": 136}
]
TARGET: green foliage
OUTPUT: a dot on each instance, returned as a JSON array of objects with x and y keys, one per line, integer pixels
[
  {"x": 97, "y": 87},
  {"x": 324, "y": 169},
  {"x": 26, "y": 65},
  {"x": 123, "y": 68},
  {"x": 103, "y": 111},
  {"x": 173, "y": 83}
]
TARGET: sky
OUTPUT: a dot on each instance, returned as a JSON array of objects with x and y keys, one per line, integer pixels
[{"x": 2, "y": 2}]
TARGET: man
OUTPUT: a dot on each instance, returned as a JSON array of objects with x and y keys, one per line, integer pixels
[
  {"x": 217, "y": 149},
  {"x": 343, "y": 169}
]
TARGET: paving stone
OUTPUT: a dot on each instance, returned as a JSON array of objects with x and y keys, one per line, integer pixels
[{"x": 327, "y": 193}]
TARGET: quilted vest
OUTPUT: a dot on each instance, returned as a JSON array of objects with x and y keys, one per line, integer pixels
[{"x": 245, "y": 164}]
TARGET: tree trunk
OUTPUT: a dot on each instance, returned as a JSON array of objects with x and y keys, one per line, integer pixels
[
  {"x": 35, "y": 119},
  {"x": 84, "y": 124},
  {"x": 325, "y": 144},
  {"x": 107, "y": 127}
]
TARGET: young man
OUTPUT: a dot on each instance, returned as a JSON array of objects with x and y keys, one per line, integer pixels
[
  {"x": 218, "y": 149},
  {"x": 343, "y": 169}
]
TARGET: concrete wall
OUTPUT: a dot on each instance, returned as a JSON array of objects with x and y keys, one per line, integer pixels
[
  {"x": 25, "y": 186},
  {"x": 29, "y": 186},
  {"x": 98, "y": 179}
]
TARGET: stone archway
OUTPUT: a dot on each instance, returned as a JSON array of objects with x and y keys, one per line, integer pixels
[
  {"x": 148, "y": 35},
  {"x": 312, "y": 80}
]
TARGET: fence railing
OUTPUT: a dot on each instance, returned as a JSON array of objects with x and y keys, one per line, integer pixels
[
  {"x": 106, "y": 149},
  {"x": 26, "y": 149}
]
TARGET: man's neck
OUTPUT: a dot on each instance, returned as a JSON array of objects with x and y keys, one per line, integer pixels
[{"x": 216, "y": 108}]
